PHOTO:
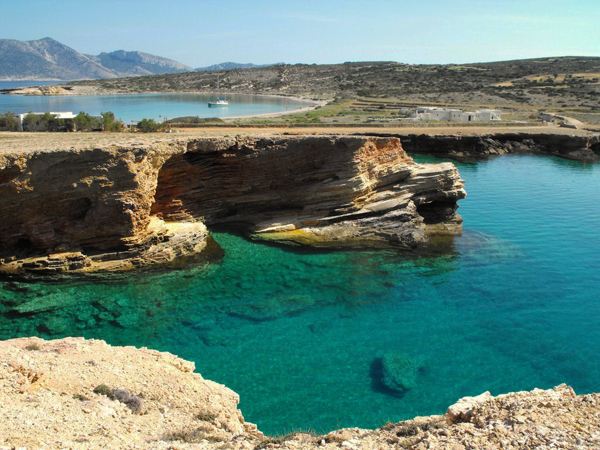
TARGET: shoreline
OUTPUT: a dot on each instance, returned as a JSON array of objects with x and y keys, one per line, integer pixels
[
  {"x": 314, "y": 103},
  {"x": 280, "y": 113},
  {"x": 73, "y": 92},
  {"x": 165, "y": 403}
]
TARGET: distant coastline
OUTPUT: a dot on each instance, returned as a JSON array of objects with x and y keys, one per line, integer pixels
[
  {"x": 158, "y": 106},
  {"x": 13, "y": 83}
]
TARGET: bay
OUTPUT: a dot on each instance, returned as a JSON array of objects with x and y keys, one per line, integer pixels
[
  {"x": 133, "y": 108},
  {"x": 300, "y": 334}
]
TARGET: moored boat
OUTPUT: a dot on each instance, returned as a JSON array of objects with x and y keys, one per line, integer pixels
[{"x": 218, "y": 102}]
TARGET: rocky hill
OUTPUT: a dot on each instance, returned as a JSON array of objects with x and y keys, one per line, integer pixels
[
  {"x": 543, "y": 82},
  {"x": 234, "y": 65},
  {"x": 47, "y": 59},
  {"x": 84, "y": 394},
  {"x": 126, "y": 63}
]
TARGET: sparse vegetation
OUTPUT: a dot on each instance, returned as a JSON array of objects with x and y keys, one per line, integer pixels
[
  {"x": 85, "y": 122},
  {"x": 134, "y": 402},
  {"x": 206, "y": 416},
  {"x": 45, "y": 122},
  {"x": 411, "y": 428},
  {"x": 332, "y": 438},
  {"x": 533, "y": 83},
  {"x": 33, "y": 347},
  {"x": 103, "y": 389},
  {"x": 149, "y": 126},
  {"x": 280, "y": 439},
  {"x": 196, "y": 435},
  {"x": 194, "y": 120},
  {"x": 109, "y": 123},
  {"x": 8, "y": 122}
]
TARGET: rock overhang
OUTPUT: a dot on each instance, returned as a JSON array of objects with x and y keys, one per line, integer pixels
[{"x": 331, "y": 191}]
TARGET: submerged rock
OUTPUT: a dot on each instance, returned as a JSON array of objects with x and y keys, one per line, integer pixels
[
  {"x": 59, "y": 394},
  {"x": 400, "y": 371}
]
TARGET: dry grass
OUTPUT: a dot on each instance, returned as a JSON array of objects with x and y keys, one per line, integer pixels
[{"x": 15, "y": 143}]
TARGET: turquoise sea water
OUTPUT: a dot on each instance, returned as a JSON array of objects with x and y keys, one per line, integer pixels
[
  {"x": 151, "y": 106},
  {"x": 300, "y": 334}
]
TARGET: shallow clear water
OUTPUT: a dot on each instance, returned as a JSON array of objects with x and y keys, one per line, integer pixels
[
  {"x": 300, "y": 335},
  {"x": 151, "y": 106}
]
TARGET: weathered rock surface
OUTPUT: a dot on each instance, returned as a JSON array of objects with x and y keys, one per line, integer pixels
[
  {"x": 118, "y": 207},
  {"x": 322, "y": 191},
  {"x": 578, "y": 147},
  {"x": 48, "y": 401}
]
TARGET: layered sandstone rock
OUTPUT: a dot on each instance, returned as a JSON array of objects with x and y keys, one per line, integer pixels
[
  {"x": 321, "y": 191},
  {"x": 126, "y": 206},
  {"x": 51, "y": 398}
]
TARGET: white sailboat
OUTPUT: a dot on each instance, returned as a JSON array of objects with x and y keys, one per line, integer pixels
[{"x": 220, "y": 102}]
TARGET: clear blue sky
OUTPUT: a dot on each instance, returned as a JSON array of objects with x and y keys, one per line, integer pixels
[{"x": 200, "y": 33}]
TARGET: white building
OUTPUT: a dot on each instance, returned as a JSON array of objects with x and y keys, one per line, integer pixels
[
  {"x": 486, "y": 114},
  {"x": 456, "y": 115},
  {"x": 58, "y": 115}
]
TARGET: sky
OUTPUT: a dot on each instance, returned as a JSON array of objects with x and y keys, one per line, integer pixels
[{"x": 200, "y": 33}]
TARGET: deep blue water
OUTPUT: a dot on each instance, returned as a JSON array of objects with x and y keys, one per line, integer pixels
[
  {"x": 300, "y": 334},
  {"x": 151, "y": 106}
]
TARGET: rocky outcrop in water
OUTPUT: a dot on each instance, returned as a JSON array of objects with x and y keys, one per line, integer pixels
[
  {"x": 54, "y": 395},
  {"x": 400, "y": 371},
  {"x": 578, "y": 147},
  {"x": 125, "y": 206}
]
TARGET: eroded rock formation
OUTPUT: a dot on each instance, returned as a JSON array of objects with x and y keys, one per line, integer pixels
[
  {"x": 577, "y": 147},
  {"x": 51, "y": 399},
  {"x": 120, "y": 207}
]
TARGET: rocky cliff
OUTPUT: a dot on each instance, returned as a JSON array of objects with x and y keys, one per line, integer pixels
[
  {"x": 90, "y": 395},
  {"x": 129, "y": 205},
  {"x": 577, "y": 147},
  {"x": 84, "y": 394}
]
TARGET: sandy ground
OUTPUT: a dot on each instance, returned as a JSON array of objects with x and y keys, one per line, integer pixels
[
  {"x": 11, "y": 142},
  {"x": 282, "y": 113}
]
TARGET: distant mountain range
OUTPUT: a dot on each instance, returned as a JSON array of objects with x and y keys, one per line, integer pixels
[
  {"x": 233, "y": 65},
  {"x": 47, "y": 59}
]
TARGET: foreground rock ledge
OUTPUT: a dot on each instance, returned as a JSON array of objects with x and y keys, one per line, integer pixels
[
  {"x": 48, "y": 401},
  {"x": 130, "y": 205}
]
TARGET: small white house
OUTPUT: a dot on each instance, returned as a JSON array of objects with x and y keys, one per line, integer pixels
[
  {"x": 58, "y": 115},
  {"x": 486, "y": 114},
  {"x": 456, "y": 115}
]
